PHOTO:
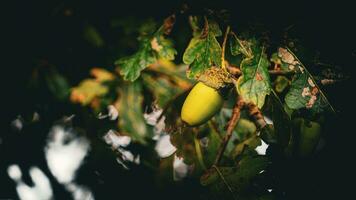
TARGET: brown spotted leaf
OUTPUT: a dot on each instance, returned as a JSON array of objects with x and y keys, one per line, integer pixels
[
  {"x": 254, "y": 84},
  {"x": 304, "y": 92}
]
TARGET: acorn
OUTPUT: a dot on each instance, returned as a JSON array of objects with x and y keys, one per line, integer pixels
[
  {"x": 206, "y": 97},
  {"x": 309, "y": 137},
  {"x": 305, "y": 138}
]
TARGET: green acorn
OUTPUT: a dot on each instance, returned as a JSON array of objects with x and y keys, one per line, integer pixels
[
  {"x": 206, "y": 98},
  {"x": 309, "y": 137},
  {"x": 305, "y": 138}
]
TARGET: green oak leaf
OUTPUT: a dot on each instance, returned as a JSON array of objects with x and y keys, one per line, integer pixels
[
  {"x": 233, "y": 182},
  {"x": 254, "y": 84},
  {"x": 130, "y": 67},
  {"x": 203, "y": 50},
  {"x": 304, "y": 91},
  {"x": 131, "y": 121},
  {"x": 302, "y": 95},
  {"x": 152, "y": 47},
  {"x": 209, "y": 145}
]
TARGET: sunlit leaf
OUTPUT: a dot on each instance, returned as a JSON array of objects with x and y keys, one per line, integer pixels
[
  {"x": 131, "y": 67},
  {"x": 254, "y": 84},
  {"x": 203, "y": 50},
  {"x": 87, "y": 90},
  {"x": 101, "y": 74},
  {"x": 152, "y": 47}
]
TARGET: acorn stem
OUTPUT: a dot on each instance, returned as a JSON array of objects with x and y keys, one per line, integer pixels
[
  {"x": 223, "y": 48},
  {"x": 230, "y": 127}
]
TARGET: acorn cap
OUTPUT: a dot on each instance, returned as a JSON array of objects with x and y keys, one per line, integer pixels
[{"x": 216, "y": 78}]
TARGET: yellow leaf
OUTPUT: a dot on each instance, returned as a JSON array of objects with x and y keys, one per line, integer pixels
[{"x": 87, "y": 90}]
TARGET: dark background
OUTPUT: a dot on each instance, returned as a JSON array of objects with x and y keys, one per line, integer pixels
[{"x": 39, "y": 30}]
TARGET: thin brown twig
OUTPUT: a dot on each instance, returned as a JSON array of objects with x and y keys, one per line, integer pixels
[
  {"x": 256, "y": 114},
  {"x": 237, "y": 71},
  {"x": 280, "y": 72},
  {"x": 223, "y": 48},
  {"x": 230, "y": 127}
]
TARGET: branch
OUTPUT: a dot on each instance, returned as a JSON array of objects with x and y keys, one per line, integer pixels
[
  {"x": 223, "y": 49},
  {"x": 257, "y": 116},
  {"x": 279, "y": 72},
  {"x": 230, "y": 127},
  {"x": 236, "y": 71}
]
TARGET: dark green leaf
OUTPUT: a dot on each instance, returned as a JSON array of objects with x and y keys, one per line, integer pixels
[
  {"x": 232, "y": 182},
  {"x": 92, "y": 35},
  {"x": 58, "y": 85},
  {"x": 251, "y": 142},
  {"x": 304, "y": 92},
  {"x": 209, "y": 145},
  {"x": 281, "y": 121}
]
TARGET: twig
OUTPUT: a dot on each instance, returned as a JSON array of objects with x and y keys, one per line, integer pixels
[
  {"x": 198, "y": 150},
  {"x": 279, "y": 72},
  {"x": 223, "y": 48},
  {"x": 234, "y": 70},
  {"x": 256, "y": 114},
  {"x": 230, "y": 127}
]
